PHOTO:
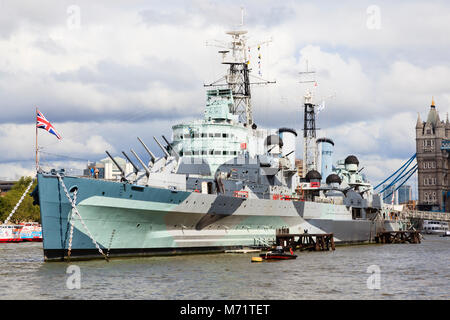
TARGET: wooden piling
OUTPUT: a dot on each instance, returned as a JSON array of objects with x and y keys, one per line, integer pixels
[
  {"x": 408, "y": 236},
  {"x": 306, "y": 241}
]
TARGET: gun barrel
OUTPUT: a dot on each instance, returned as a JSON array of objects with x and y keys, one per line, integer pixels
[
  {"x": 171, "y": 148},
  {"x": 162, "y": 148},
  {"x": 115, "y": 162},
  {"x": 148, "y": 150},
  {"x": 136, "y": 169},
  {"x": 147, "y": 169}
]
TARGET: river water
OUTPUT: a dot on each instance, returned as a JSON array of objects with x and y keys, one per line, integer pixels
[{"x": 406, "y": 271}]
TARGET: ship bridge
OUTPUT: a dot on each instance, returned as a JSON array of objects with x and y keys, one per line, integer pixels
[{"x": 219, "y": 137}]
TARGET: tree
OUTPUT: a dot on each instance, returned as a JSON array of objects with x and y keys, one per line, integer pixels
[{"x": 26, "y": 211}]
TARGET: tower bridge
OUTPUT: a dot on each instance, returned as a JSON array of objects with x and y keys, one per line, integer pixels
[{"x": 433, "y": 154}]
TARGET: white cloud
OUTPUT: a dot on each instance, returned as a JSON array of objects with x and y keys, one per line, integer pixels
[
  {"x": 136, "y": 68},
  {"x": 13, "y": 171}
]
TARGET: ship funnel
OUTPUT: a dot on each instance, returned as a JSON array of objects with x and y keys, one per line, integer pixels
[
  {"x": 171, "y": 148},
  {"x": 152, "y": 156},
  {"x": 162, "y": 148},
  {"x": 136, "y": 169},
  {"x": 147, "y": 169},
  {"x": 117, "y": 165},
  {"x": 326, "y": 149},
  {"x": 288, "y": 137}
]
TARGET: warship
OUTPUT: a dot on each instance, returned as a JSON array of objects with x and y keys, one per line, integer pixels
[{"x": 222, "y": 183}]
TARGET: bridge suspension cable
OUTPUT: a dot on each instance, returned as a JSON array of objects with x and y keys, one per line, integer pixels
[
  {"x": 399, "y": 177},
  {"x": 414, "y": 169},
  {"x": 407, "y": 163}
]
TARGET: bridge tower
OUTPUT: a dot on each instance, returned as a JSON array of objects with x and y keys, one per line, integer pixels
[{"x": 432, "y": 148}]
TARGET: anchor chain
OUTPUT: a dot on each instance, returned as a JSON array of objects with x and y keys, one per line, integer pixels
[
  {"x": 110, "y": 242},
  {"x": 20, "y": 201},
  {"x": 72, "y": 224},
  {"x": 81, "y": 219}
]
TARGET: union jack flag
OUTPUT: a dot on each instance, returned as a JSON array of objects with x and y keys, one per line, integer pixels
[{"x": 43, "y": 123}]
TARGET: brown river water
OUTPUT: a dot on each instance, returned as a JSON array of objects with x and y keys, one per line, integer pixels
[{"x": 402, "y": 271}]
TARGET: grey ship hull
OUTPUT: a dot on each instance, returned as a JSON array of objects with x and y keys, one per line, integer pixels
[{"x": 130, "y": 220}]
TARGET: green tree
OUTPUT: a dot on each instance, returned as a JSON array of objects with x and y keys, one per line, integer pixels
[{"x": 26, "y": 211}]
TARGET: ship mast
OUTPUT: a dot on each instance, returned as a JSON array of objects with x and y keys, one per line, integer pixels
[
  {"x": 238, "y": 76},
  {"x": 309, "y": 135},
  {"x": 310, "y": 154}
]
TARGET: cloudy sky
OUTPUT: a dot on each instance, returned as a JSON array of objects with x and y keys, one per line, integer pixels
[{"x": 107, "y": 72}]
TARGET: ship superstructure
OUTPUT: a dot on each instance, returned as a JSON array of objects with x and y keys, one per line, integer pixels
[{"x": 221, "y": 183}]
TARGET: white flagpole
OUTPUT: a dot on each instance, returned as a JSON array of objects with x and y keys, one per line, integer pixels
[{"x": 37, "y": 156}]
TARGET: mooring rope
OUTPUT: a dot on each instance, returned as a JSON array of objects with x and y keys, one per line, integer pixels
[
  {"x": 20, "y": 201},
  {"x": 72, "y": 202}
]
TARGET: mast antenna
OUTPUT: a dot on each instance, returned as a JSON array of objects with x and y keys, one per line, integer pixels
[
  {"x": 309, "y": 124},
  {"x": 235, "y": 55}
]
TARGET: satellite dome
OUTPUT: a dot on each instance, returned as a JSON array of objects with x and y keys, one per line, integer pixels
[
  {"x": 333, "y": 178},
  {"x": 351, "y": 160},
  {"x": 313, "y": 175}
]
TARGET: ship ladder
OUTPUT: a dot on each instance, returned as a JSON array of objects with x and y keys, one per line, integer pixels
[
  {"x": 74, "y": 207},
  {"x": 19, "y": 202}
]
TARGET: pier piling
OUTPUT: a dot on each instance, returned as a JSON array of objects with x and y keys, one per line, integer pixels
[
  {"x": 410, "y": 236},
  {"x": 306, "y": 241}
]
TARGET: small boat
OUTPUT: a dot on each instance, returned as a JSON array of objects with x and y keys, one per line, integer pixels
[
  {"x": 257, "y": 259},
  {"x": 278, "y": 254},
  {"x": 10, "y": 233},
  {"x": 446, "y": 234},
  {"x": 31, "y": 232},
  {"x": 23, "y": 232},
  {"x": 435, "y": 227}
]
